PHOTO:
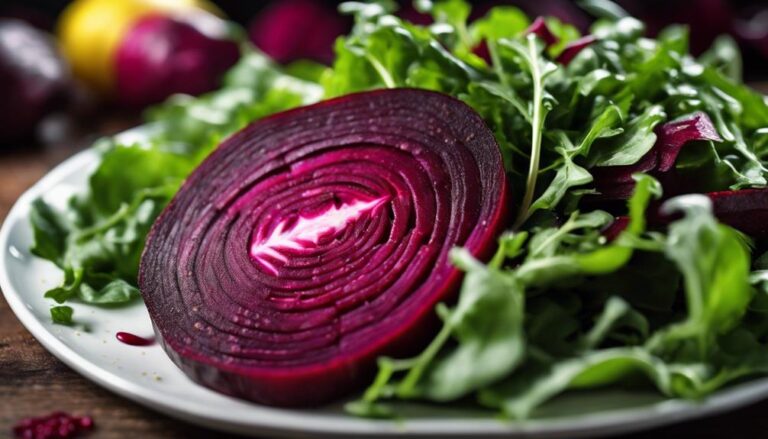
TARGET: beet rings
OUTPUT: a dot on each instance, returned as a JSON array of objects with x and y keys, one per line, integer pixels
[{"x": 317, "y": 239}]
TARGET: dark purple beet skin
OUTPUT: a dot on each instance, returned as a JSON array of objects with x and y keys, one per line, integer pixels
[{"x": 317, "y": 239}]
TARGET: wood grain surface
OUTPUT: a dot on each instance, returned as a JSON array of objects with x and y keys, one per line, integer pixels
[{"x": 34, "y": 383}]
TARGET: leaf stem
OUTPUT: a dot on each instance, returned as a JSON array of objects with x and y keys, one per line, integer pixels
[
  {"x": 536, "y": 128},
  {"x": 407, "y": 386},
  {"x": 389, "y": 81}
]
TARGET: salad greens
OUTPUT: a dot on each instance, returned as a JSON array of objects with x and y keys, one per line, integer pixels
[{"x": 559, "y": 306}]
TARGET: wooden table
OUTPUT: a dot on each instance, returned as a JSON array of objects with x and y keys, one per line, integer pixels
[{"x": 34, "y": 383}]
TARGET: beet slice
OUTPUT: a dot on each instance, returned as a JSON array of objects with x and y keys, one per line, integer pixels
[
  {"x": 616, "y": 182},
  {"x": 745, "y": 210},
  {"x": 317, "y": 239}
]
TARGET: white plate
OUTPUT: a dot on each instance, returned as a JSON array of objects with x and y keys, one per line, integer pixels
[{"x": 147, "y": 376}]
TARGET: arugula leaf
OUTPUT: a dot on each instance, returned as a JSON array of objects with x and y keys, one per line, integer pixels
[
  {"x": 568, "y": 176},
  {"x": 605, "y": 125},
  {"x": 488, "y": 349},
  {"x": 61, "y": 315},
  {"x": 50, "y": 230},
  {"x": 540, "y": 70},
  {"x": 500, "y": 22},
  {"x": 718, "y": 294},
  {"x": 603, "y": 9},
  {"x": 615, "y": 309},
  {"x": 115, "y": 292},
  {"x": 158, "y": 169},
  {"x": 629, "y": 147},
  {"x": 520, "y": 396},
  {"x": 452, "y": 12},
  {"x": 724, "y": 55},
  {"x": 714, "y": 262}
]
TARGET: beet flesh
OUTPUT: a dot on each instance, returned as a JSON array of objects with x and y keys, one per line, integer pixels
[
  {"x": 745, "y": 210},
  {"x": 616, "y": 182},
  {"x": 317, "y": 239},
  {"x": 540, "y": 29}
]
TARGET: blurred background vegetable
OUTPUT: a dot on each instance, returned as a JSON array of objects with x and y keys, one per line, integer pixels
[
  {"x": 134, "y": 53},
  {"x": 298, "y": 29},
  {"x": 33, "y": 78},
  {"x": 161, "y": 56}
]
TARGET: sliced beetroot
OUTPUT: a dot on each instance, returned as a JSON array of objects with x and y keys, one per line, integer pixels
[
  {"x": 574, "y": 48},
  {"x": 317, "y": 239},
  {"x": 673, "y": 135},
  {"x": 483, "y": 52},
  {"x": 745, "y": 210},
  {"x": 539, "y": 28},
  {"x": 615, "y": 182},
  {"x": 613, "y": 230}
]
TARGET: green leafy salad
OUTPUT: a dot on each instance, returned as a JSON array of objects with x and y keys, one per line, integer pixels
[{"x": 615, "y": 269}]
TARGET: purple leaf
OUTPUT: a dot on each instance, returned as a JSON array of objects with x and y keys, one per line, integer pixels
[
  {"x": 539, "y": 28},
  {"x": 574, "y": 48}
]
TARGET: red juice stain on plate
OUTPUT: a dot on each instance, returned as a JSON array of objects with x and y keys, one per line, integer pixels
[
  {"x": 133, "y": 340},
  {"x": 58, "y": 425}
]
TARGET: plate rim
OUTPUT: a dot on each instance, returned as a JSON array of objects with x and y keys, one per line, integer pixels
[{"x": 319, "y": 424}]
